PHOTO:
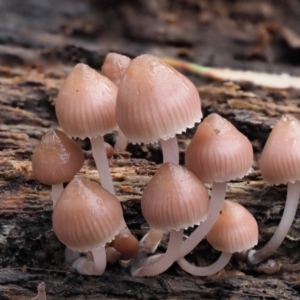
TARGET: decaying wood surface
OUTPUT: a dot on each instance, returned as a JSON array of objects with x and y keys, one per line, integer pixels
[{"x": 35, "y": 64}]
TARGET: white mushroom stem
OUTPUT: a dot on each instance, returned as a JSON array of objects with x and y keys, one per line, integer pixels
[
  {"x": 151, "y": 240},
  {"x": 165, "y": 261},
  {"x": 170, "y": 152},
  {"x": 121, "y": 142},
  {"x": 216, "y": 203},
  {"x": 56, "y": 191},
  {"x": 85, "y": 266},
  {"x": 99, "y": 153},
  {"x": 291, "y": 204},
  {"x": 214, "y": 268}
]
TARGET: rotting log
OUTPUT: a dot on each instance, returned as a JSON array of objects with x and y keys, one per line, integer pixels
[
  {"x": 30, "y": 252},
  {"x": 36, "y": 52}
]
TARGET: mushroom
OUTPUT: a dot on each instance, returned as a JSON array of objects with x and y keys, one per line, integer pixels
[
  {"x": 280, "y": 164},
  {"x": 217, "y": 153},
  {"x": 236, "y": 230},
  {"x": 85, "y": 218},
  {"x": 85, "y": 107},
  {"x": 173, "y": 200},
  {"x": 114, "y": 67},
  {"x": 55, "y": 160},
  {"x": 154, "y": 103},
  {"x": 126, "y": 244}
]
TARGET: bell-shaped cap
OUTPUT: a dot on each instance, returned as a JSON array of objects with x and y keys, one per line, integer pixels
[
  {"x": 57, "y": 158},
  {"x": 218, "y": 152},
  {"x": 155, "y": 101},
  {"x": 86, "y": 216},
  {"x": 236, "y": 230},
  {"x": 280, "y": 159},
  {"x": 85, "y": 105},
  {"x": 174, "y": 198},
  {"x": 126, "y": 244},
  {"x": 115, "y": 66}
]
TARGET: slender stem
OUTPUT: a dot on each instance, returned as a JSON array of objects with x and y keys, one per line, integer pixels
[
  {"x": 121, "y": 142},
  {"x": 56, "y": 191},
  {"x": 151, "y": 240},
  {"x": 85, "y": 266},
  {"x": 165, "y": 261},
  {"x": 99, "y": 153},
  {"x": 293, "y": 194},
  {"x": 214, "y": 268},
  {"x": 216, "y": 202},
  {"x": 99, "y": 260},
  {"x": 170, "y": 150}
]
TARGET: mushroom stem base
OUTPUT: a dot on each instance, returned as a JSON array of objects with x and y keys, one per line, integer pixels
[
  {"x": 292, "y": 199},
  {"x": 85, "y": 266},
  {"x": 153, "y": 267}
]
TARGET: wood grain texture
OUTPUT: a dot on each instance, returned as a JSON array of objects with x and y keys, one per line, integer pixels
[{"x": 34, "y": 65}]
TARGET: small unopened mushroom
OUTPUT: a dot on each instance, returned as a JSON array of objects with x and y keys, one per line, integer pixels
[
  {"x": 114, "y": 67},
  {"x": 174, "y": 199},
  {"x": 217, "y": 153},
  {"x": 280, "y": 164},
  {"x": 126, "y": 244},
  {"x": 55, "y": 160},
  {"x": 85, "y": 218},
  {"x": 85, "y": 108},
  {"x": 236, "y": 230}
]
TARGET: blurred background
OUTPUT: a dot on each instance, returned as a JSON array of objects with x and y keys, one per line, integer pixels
[{"x": 261, "y": 35}]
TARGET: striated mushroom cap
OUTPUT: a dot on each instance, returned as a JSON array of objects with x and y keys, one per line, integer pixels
[
  {"x": 85, "y": 104},
  {"x": 236, "y": 230},
  {"x": 174, "y": 198},
  {"x": 280, "y": 159},
  {"x": 155, "y": 101},
  {"x": 218, "y": 152},
  {"x": 56, "y": 159},
  {"x": 86, "y": 216}
]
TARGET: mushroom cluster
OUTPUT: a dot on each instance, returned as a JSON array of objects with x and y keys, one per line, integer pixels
[{"x": 148, "y": 101}]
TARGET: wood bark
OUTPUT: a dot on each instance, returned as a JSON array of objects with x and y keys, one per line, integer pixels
[{"x": 34, "y": 65}]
